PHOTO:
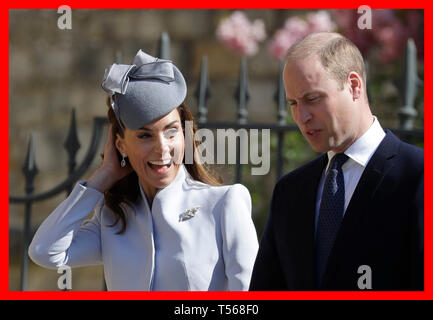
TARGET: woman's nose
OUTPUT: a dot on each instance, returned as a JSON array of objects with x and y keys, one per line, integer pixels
[{"x": 162, "y": 145}]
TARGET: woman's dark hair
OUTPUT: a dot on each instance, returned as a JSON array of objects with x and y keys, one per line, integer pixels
[{"x": 126, "y": 190}]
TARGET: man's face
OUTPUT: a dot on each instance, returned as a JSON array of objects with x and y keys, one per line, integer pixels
[{"x": 326, "y": 115}]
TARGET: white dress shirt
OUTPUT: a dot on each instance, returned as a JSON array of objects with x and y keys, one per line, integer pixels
[
  {"x": 359, "y": 153},
  {"x": 214, "y": 249}
]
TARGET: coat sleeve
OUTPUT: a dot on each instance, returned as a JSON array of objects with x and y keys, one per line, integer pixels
[
  {"x": 417, "y": 239},
  {"x": 240, "y": 242},
  {"x": 267, "y": 274},
  {"x": 64, "y": 238}
]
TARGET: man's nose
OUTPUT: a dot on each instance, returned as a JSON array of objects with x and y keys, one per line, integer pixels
[{"x": 304, "y": 114}]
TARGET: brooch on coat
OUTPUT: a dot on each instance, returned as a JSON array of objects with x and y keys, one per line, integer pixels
[{"x": 188, "y": 214}]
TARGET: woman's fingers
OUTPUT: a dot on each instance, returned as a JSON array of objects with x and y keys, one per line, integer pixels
[{"x": 111, "y": 159}]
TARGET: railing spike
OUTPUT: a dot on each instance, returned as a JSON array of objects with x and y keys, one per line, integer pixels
[
  {"x": 118, "y": 56},
  {"x": 202, "y": 92},
  {"x": 72, "y": 144},
  {"x": 242, "y": 95},
  {"x": 409, "y": 84},
  {"x": 280, "y": 97},
  {"x": 30, "y": 169},
  {"x": 164, "y": 46},
  {"x": 367, "y": 78}
]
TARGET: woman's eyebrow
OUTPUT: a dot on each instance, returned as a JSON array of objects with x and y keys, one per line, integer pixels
[
  {"x": 167, "y": 126},
  {"x": 171, "y": 124}
]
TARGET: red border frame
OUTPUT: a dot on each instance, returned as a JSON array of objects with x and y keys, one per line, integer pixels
[{"x": 220, "y": 4}]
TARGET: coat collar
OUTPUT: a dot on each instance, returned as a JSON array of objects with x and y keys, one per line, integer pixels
[
  {"x": 373, "y": 174},
  {"x": 163, "y": 193},
  {"x": 145, "y": 226},
  {"x": 364, "y": 147}
]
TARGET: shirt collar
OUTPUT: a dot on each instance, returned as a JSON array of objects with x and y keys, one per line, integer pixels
[{"x": 364, "y": 147}]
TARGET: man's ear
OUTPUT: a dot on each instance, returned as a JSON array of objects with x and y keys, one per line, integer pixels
[
  {"x": 355, "y": 85},
  {"x": 120, "y": 144}
]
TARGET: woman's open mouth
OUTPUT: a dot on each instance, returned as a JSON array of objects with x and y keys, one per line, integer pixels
[{"x": 160, "y": 166}]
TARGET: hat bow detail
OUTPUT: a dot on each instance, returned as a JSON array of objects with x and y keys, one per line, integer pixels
[{"x": 143, "y": 67}]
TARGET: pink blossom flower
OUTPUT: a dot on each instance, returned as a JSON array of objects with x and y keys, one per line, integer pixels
[
  {"x": 237, "y": 33},
  {"x": 280, "y": 43},
  {"x": 320, "y": 22},
  {"x": 345, "y": 18},
  {"x": 296, "y": 28},
  {"x": 392, "y": 39},
  {"x": 389, "y": 32},
  {"x": 382, "y": 17}
]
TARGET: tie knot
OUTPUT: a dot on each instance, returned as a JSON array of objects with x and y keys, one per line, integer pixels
[{"x": 338, "y": 160}]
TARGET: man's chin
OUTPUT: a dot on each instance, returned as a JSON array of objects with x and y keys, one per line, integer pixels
[{"x": 319, "y": 148}]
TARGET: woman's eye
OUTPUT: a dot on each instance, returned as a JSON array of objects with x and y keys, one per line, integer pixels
[
  {"x": 171, "y": 133},
  {"x": 144, "y": 136}
]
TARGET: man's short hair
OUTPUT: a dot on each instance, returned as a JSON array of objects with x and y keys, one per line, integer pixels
[{"x": 338, "y": 55}]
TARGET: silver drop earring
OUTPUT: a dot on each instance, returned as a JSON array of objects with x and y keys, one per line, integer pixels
[{"x": 123, "y": 162}]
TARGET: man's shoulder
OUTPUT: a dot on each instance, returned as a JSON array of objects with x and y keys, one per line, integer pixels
[
  {"x": 406, "y": 153},
  {"x": 412, "y": 152}
]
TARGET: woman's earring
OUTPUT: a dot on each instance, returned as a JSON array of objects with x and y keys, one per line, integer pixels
[{"x": 123, "y": 162}]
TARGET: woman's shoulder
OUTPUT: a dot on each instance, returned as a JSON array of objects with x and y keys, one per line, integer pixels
[
  {"x": 221, "y": 190},
  {"x": 237, "y": 192}
]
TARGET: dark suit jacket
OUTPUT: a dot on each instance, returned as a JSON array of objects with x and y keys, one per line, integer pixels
[{"x": 382, "y": 227}]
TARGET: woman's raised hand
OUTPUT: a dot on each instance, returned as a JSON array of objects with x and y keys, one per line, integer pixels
[{"x": 110, "y": 170}]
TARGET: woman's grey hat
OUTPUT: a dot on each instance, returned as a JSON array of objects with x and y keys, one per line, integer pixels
[{"x": 144, "y": 91}]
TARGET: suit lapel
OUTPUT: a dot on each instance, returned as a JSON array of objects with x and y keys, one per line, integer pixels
[
  {"x": 371, "y": 179},
  {"x": 303, "y": 224},
  {"x": 369, "y": 183}
]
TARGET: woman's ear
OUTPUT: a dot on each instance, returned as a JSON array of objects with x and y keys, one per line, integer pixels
[{"x": 120, "y": 143}]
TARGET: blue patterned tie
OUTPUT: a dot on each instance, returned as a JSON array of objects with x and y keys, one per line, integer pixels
[{"x": 330, "y": 213}]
